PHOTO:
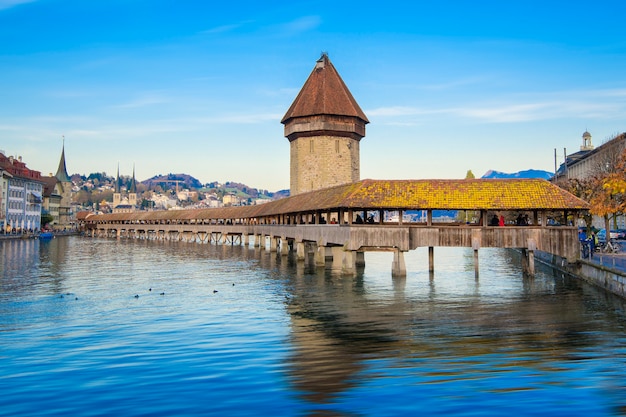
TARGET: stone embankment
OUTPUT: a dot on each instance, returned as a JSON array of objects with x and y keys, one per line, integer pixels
[{"x": 607, "y": 271}]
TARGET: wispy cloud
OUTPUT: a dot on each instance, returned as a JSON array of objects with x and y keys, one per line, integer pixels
[
  {"x": 7, "y": 4},
  {"x": 601, "y": 104},
  {"x": 225, "y": 28},
  {"x": 148, "y": 100},
  {"x": 398, "y": 111},
  {"x": 452, "y": 84},
  {"x": 250, "y": 118},
  {"x": 300, "y": 25}
]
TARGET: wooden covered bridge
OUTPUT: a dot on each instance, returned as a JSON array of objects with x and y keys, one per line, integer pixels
[{"x": 343, "y": 222}]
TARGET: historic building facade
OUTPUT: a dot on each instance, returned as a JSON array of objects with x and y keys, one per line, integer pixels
[
  {"x": 24, "y": 195},
  {"x": 590, "y": 160},
  {"x": 57, "y": 195},
  {"x": 324, "y": 126},
  {"x": 4, "y": 186},
  {"x": 124, "y": 202}
]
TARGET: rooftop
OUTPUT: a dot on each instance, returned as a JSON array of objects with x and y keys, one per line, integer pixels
[
  {"x": 324, "y": 93},
  {"x": 468, "y": 194}
]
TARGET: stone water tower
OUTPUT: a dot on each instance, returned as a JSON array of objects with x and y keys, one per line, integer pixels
[{"x": 324, "y": 126}]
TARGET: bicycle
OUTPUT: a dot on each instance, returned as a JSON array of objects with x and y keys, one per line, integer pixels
[{"x": 611, "y": 247}]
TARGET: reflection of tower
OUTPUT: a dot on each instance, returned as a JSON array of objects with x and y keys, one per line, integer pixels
[
  {"x": 324, "y": 126},
  {"x": 117, "y": 196},
  {"x": 587, "y": 145}
]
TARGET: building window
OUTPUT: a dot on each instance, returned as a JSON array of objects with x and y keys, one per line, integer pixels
[{"x": 336, "y": 145}]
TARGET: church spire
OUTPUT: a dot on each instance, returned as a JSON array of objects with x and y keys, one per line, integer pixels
[
  {"x": 133, "y": 184},
  {"x": 61, "y": 174},
  {"x": 117, "y": 179}
]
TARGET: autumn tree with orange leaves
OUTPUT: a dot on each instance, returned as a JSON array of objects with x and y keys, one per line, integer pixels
[
  {"x": 610, "y": 201},
  {"x": 604, "y": 189}
]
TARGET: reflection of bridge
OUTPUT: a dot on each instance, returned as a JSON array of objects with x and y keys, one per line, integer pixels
[{"x": 327, "y": 223}]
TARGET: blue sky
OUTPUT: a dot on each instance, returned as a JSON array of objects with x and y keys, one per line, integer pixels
[{"x": 200, "y": 87}]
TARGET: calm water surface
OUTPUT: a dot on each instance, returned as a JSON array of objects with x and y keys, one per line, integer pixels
[{"x": 95, "y": 327}]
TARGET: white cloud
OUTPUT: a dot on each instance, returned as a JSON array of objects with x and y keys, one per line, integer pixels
[
  {"x": 225, "y": 28},
  {"x": 300, "y": 25},
  {"x": 244, "y": 118},
  {"x": 600, "y": 104},
  {"x": 396, "y": 111},
  {"x": 7, "y": 4},
  {"x": 148, "y": 100}
]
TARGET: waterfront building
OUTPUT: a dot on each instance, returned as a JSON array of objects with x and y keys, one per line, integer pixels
[
  {"x": 24, "y": 195},
  {"x": 51, "y": 199},
  {"x": 324, "y": 126},
  {"x": 590, "y": 161},
  {"x": 230, "y": 199},
  {"x": 57, "y": 195},
  {"x": 4, "y": 186}
]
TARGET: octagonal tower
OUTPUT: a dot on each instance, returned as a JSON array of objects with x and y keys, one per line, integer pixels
[{"x": 324, "y": 126}]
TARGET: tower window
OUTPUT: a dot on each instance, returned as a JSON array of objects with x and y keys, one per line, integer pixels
[
  {"x": 312, "y": 149},
  {"x": 336, "y": 145}
]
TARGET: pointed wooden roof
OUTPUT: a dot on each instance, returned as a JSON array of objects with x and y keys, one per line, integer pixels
[
  {"x": 324, "y": 93},
  {"x": 61, "y": 174}
]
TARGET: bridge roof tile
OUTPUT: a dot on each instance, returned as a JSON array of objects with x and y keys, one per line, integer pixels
[{"x": 469, "y": 194}]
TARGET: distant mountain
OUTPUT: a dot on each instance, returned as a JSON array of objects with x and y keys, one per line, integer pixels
[
  {"x": 531, "y": 173},
  {"x": 181, "y": 181},
  {"x": 170, "y": 181}
]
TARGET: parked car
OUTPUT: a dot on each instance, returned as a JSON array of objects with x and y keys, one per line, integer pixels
[
  {"x": 614, "y": 234},
  {"x": 619, "y": 234}
]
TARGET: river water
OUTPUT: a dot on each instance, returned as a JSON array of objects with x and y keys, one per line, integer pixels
[{"x": 99, "y": 327}]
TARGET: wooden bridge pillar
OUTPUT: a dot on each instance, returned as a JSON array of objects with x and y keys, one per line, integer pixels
[
  {"x": 300, "y": 251},
  {"x": 431, "y": 259},
  {"x": 118, "y": 233},
  {"x": 337, "y": 264},
  {"x": 348, "y": 265},
  {"x": 284, "y": 246},
  {"x": 398, "y": 267},
  {"x": 530, "y": 257},
  {"x": 360, "y": 259},
  {"x": 320, "y": 255},
  {"x": 476, "y": 246},
  {"x": 273, "y": 243}
]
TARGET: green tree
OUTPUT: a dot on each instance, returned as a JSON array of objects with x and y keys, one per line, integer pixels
[
  {"x": 465, "y": 216},
  {"x": 46, "y": 218}
]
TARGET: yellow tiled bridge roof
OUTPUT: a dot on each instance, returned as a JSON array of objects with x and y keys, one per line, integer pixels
[{"x": 469, "y": 194}]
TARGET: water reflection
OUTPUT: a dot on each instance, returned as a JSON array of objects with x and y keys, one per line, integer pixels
[
  {"x": 339, "y": 327},
  {"x": 283, "y": 337}
]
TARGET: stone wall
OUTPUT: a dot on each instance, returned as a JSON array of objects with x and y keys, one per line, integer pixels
[
  {"x": 607, "y": 278},
  {"x": 601, "y": 276},
  {"x": 323, "y": 161}
]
